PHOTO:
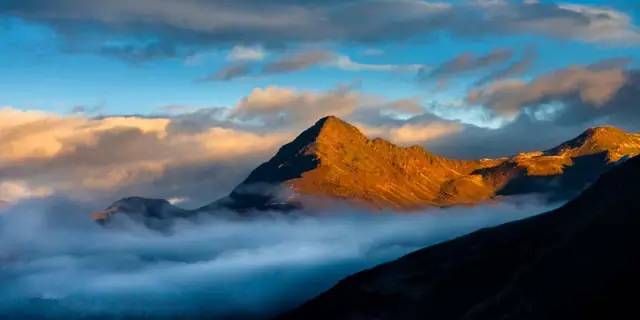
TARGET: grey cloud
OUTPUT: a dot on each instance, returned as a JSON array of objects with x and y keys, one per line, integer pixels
[
  {"x": 611, "y": 63},
  {"x": 594, "y": 86},
  {"x": 517, "y": 67},
  {"x": 225, "y": 23},
  {"x": 83, "y": 109},
  {"x": 476, "y": 142},
  {"x": 516, "y": 136},
  {"x": 302, "y": 60},
  {"x": 298, "y": 61},
  {"x": 466, "y": 62},
  {"x": 137, "y": 53},
  {"x": 621, "y": 109},
  {"x": 230, "y": 72},
  {"x": 551, "y": 123}
]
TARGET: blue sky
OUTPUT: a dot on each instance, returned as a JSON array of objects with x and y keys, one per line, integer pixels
[{"x": 41, "y": 71}]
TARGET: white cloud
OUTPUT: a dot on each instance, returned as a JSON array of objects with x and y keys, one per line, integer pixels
[
  {"x": 243, "y": 53},
  {"x": 16, "y": 190},
  {"x": 345, "y": 63}
]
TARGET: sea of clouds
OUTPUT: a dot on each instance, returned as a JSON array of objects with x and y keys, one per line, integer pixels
[{"x": 57, "y": 263}]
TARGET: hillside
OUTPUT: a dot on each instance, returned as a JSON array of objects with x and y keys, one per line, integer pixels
[{"x": 575, "y": 262}]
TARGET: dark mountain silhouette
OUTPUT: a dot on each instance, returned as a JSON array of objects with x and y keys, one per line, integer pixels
[
  {"x": 576, "y": 262},
  {"x": 153, "y": 213},
  {"x": 333, "y": 160}
]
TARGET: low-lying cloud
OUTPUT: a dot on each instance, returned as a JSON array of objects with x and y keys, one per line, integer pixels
[{"x": 55, "y": 262}]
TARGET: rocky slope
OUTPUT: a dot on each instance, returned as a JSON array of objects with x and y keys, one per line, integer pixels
[
  {"x": 576, "y": 262},
  {"x": 333, "y": 160}
]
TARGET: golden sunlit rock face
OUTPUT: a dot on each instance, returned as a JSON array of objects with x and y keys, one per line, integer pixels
[{"x": 334, "y": 160}]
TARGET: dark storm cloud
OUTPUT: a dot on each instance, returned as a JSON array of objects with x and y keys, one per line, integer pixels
[
  {"x": 55, "y": 262},
  {"x": 223, "y": 23}
]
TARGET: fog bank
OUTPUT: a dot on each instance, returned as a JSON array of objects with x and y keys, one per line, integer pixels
[{"x": 56, "y": 263}]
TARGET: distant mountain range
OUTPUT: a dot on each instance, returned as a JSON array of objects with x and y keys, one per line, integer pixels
[
  {"x": 576, "y": 262},
  {"x": 333, "y": 160}
]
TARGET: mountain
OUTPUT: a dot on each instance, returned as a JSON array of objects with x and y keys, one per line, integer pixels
[
  {"x": 333, "y": 160},
  {"x": 153, "y": 213},
  {"x": 576, "y": 262}
]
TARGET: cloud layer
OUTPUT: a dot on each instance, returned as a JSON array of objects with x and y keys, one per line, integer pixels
[
  {"x": 159, "y": 28},
  {"x": 210, "y": 266}
]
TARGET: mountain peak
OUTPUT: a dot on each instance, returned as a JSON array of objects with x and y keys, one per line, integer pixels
[
  {"x": 616, "y": 142},
  {"x": 332, "y": 129},
  {"x": 334, "y": 159},
  {"x": 329, "y": 119},
  {"x": 138, "y": 208},
  {"x": 603, "y": 133}
]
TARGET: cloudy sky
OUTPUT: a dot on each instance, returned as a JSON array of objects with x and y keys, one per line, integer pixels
[{"x": 181, "y": 98}]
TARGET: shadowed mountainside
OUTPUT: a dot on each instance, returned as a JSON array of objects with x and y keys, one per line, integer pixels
[
  {"x": 334, "y": 160},
  {"x": 153, "y": 213},
  {"x": 576, "y": 262}
]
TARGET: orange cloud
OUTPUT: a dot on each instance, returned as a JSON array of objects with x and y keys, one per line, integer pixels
[
  {"x": 62, "y": 154},
  {"x": 276, "y": 104},
  {"x": 412, "y": 133}
]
